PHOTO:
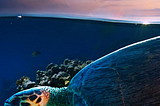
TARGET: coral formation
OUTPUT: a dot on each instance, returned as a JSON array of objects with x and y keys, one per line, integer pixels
[
  {"x": 60, "y": 75},
  {"x": 55, "y": 75},
  {"x": 25, "y": 83}
]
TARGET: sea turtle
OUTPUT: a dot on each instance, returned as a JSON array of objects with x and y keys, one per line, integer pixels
[{"x": 129, "y": 76}]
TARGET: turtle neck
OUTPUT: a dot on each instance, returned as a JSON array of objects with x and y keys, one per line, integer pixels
[{"x": 59, "y": 97}]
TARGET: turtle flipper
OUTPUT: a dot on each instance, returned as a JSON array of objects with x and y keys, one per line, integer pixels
[{"x": 38, "y": 96}]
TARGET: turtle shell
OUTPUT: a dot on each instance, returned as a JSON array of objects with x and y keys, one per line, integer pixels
[{"x": 129, "y": 76}]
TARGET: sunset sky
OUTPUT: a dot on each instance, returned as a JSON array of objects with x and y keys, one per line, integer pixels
[{"x": 134, "y": 10}]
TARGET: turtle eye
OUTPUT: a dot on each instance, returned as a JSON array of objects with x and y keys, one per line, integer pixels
[
  {"x": 24, "y": 98},
  {"x": 32, "y": 97}
]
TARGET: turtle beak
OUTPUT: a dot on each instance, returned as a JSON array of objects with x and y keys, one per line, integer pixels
[
  {"x": 7, "y": 103},
  {"x": 12, "y": 101}
]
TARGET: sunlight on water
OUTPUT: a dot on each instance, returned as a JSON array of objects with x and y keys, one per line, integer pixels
[{"x": 145, "y": 23}]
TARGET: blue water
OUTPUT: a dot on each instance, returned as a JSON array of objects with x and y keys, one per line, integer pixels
[{"x": 58, "y": 39}]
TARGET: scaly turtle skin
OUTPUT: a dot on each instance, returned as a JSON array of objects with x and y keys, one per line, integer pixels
[{"x": 129, "y": 76}]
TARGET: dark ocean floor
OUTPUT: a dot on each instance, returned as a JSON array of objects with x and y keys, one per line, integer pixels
[{"x": 57, "y": 39}]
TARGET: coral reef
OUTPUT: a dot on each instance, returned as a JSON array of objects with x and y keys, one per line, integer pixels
[
  {"x": 25, "y": 83},
  {"x": 55, "y": 75},
  {"x": 60, "y": 75}
]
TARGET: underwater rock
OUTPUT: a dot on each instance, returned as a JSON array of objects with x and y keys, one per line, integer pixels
[
  {"x": 60, "y": 80},
  {"x": 66, "y": 61},
  {"x": 60, "y": 75},
  {"x": 55, "y": 75},
  {"x": 49, "y": 66},
  {"x": 25, "y": 83}
]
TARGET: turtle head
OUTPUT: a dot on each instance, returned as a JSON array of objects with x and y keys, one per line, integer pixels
[{"x": 38, "y": 96}]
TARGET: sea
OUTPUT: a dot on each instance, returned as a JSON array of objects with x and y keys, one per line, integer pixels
[{"x": 56, "y": 39}]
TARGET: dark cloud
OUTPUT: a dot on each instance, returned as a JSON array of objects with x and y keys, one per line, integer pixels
[
  {"x": 110, "y": 0},
  {"x": 147, "y": 10},
  {"x": 115, "y": 5},
  {"x": 156, "y": 9},
  {"x": 134, "y": 15},
  {"x": 7, "y": 4},
  {"x": 143, "y": 13},
  {"x": 25, "y": 6}
]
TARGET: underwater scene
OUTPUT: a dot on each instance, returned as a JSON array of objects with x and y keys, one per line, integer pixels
[{"x": 49, "y": 61}]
